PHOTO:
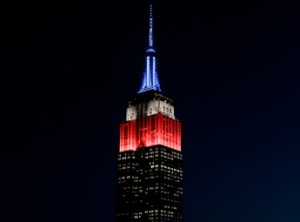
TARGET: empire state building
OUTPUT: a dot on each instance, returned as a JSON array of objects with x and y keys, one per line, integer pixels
[{"x": 150, "y": 161}]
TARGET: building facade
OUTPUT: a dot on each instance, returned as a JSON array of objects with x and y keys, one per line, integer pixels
[{"x": 150, "y": 161}]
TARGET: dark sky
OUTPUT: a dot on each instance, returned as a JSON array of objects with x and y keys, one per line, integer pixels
[{"x": 70, "y": 67}]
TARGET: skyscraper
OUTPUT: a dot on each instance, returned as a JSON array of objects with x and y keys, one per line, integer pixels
[{"x": 150, "y": 161}]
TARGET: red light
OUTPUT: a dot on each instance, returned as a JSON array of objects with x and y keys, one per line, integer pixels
[{"x": 148, "y": 131}]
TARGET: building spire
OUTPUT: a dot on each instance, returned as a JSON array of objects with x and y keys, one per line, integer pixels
[
  {"x": 150, "y": 28},
  {"x": 150, "y": 77}
]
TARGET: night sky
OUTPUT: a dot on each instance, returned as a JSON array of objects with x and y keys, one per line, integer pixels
[{"x": 70, "y": 68}]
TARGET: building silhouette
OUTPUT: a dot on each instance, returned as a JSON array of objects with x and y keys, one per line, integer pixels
[{"x": 150, "y": 161}]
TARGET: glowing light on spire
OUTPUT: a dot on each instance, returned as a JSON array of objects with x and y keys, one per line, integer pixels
[
  {"x": 151, "y": 28},
  {"x": 150, "y": 76}
]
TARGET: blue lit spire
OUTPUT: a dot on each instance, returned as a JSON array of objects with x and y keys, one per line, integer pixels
[{"x": 150, "y": 76}]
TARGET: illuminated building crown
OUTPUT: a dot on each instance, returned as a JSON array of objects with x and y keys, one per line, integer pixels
[{"x": 150, "y": 77}]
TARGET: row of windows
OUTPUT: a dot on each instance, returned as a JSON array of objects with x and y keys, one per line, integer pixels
[
  {"x": 163, "y": 151},
  {"x": 153, "y": 214},
  {"x": 168, "y": 172},
  {"x": 126, "y": 155},
  {"x": 152, "y": 164},
  {"x": 152, "y": 177},
  {"x": 171, "y": 168},
  {"x": 162, "y": 210},
  {"x": 155, "y": 189},
  {"x": 163, "y": 184},
  {"x": 131, "y": 188}
]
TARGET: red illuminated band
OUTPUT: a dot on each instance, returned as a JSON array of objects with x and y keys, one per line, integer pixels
[{"x": 149, "y": 131}]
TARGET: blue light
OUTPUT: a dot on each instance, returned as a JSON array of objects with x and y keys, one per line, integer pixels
[
  {"x": 150, "y": 50},
  {"x": 154, "y": 71},
  {"x": 150, "y": 76},
  {"x": 148, "y": 72}
]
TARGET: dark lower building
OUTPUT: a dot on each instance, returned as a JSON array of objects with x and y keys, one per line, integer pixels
[
  {"x": 150, "y": 185},
  {"x": 150, "y": 161}
]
